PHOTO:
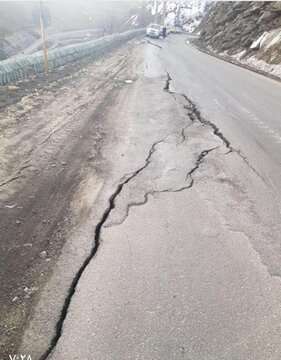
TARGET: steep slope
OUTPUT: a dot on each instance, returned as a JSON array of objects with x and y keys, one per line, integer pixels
[
  {"x": 247, "y": 31},
  {"x": 20, "y": 26}
]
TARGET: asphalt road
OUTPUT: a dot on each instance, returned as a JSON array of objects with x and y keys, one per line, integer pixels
[
  {"x": 245, "y": 105},
  {"x": 187, "y": 220}
]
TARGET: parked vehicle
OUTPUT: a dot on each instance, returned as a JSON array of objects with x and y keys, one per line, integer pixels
[{"x": 154, "y": 30}]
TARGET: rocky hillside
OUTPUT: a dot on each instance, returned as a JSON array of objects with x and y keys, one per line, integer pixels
[{"x": 246, "y": 29}]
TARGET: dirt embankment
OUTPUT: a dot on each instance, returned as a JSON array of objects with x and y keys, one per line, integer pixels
[
  {"x": 51, "y": 138},
  {"x": 248, "y": 31}
]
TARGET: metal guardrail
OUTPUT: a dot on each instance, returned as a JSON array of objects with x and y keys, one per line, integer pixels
[{"x": 18, "y": 68}]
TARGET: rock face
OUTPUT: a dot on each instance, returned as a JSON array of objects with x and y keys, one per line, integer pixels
[{"x": 233, "y": 27}]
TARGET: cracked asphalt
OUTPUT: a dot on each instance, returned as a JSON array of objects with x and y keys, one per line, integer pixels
[
  {"x": 178, "y": 254},
  {"x": 186, "y": 259}
]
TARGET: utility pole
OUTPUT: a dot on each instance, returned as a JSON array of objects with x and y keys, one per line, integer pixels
[
  {"x": 178, "y": 11},
  {"x": 43, "y": 36},
  {"x": 164, "y": 11},
  {"x": 155, "y": 9}
]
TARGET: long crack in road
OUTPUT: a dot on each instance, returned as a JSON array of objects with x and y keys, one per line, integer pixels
[{"x": 168, "y": 250}]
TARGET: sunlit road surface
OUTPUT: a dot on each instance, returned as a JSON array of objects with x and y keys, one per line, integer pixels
[{"x": 188, "y": 265}]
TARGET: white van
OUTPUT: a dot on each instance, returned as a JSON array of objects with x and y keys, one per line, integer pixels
[{"x": 154, "y": 30}]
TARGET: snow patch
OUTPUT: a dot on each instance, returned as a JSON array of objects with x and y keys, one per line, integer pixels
[
  {"x": 257, "y": 43},
  {"x": 262, "y": 65},
  {"x": 273, "y": 38},
  {"x": 267, "y": 39}
]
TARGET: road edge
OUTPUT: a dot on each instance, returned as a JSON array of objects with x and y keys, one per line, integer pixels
[{"x": 200, "y": 47}]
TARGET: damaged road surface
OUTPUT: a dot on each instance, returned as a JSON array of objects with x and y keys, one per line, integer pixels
[
  {"x": 52, "y": 171},
  {"x": 172, "y": 249}
]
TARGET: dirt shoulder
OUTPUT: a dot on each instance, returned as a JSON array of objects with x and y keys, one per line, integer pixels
[{"x": 51, "y": 138}]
